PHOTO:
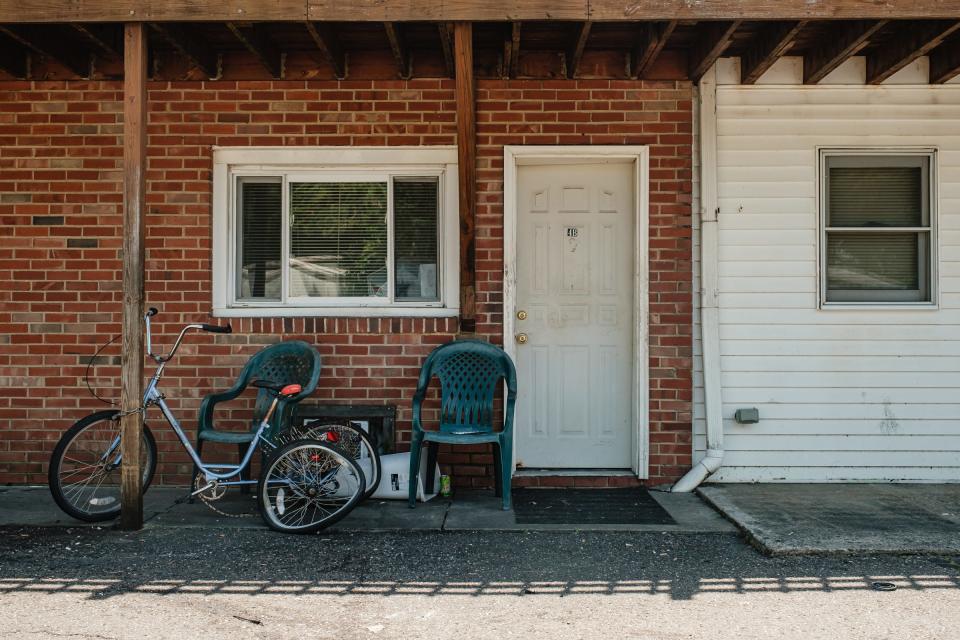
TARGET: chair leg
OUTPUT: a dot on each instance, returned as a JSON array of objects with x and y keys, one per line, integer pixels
[
  {"x": 433, "y": 449},
  {"x": 416, "y": 443},
  {"x": 196, "y": 469},
  {"x": 506, "y": 470},
  {"x": 497, "y": 465},
  {"x": 245, "y": 472}
]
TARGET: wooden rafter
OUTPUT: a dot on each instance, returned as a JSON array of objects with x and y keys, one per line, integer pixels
[
  {"x": 446, "y": 45},
  {"x": 838, "y": 47},
  {"x": 14, "y": 58},
  {"x": 576, "y": 53},
  {"x": 192, "y": 48},
  {"x": 652, "y": 41},
  {"x": 945, "y": 62},
  {"x": 713, "y": 42},
  {"x": 329, "y": 45},
  {"x": 916, "y": 40},
  {"x": 105, "y": 38},
  {"x": 514, "y": 49},
  {"x": 40, "y": 42},
  {"x": 399, "y": 49},
  {"x": 259, "y": 44},
  {"x": 772, "y": 43}
]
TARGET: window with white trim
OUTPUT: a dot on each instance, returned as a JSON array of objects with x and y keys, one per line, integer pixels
[
  {"x": 877, "y": 241},
  {"x": 354, "y": 237}
]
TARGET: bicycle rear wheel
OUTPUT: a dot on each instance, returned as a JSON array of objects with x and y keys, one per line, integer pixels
[
  {"x": 353, "y": 441},
  {"x": 84, "y": 473},
  {"x": 308, "y": 485}
]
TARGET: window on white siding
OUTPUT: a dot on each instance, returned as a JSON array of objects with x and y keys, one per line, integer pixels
[
  {"x": 878, "y": 232},
  {"x": 342, "y": 240}
]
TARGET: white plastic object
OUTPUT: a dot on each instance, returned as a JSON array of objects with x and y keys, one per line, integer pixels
[{"x": 395, "y": 475}]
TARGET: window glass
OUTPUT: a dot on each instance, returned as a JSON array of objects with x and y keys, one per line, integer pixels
[
  {"x": 415, "y": 220},
  {"x": 259, "y": 224}
]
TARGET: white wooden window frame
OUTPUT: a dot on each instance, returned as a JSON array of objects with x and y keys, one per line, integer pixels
[
  {"x": 870, "y": 155},
  {"x": 332, "y": 164}
]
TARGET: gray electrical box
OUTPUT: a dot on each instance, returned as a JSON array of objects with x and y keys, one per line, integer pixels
[{"x": 747, "y": 415}]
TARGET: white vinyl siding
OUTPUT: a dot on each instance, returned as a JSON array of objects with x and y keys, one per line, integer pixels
[{"x": 844, "y": 393}]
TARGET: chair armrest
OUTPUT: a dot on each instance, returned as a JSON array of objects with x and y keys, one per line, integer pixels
[
  {"x": 510, "y": 406},
  {"x": 205, "y": 418},
  {"x": 426, "y": 372}
]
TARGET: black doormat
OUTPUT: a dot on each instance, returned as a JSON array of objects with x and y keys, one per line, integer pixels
[{"x": 632, "y": 505}]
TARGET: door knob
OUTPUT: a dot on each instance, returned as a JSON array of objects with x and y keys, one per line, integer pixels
[
  {"x": 521, "y": 315},
  {"x": 522, "y": 338}
]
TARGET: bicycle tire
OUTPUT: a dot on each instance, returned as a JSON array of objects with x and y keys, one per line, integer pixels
[
  {"x": 352, "y": 440},
  {"x": 315, "y": 473},
  {"x": 54, "y": 479}
]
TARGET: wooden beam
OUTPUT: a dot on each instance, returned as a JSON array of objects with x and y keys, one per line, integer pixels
[
  {"x": 329, "y": 45},
  {"x": 712, "y": 43},
  {"x": 771, "y": 44},
  {"x": 41, "y": 42},
  {"x": 30, "y": 11},
  {"x": 14, "y": 59},
  {"x": 191, "y": 47},
  {"x": 652, "y": 41},
  {"x": 134, "y": 198},
  {"x": 104, "y": 37},
  {"x": 945, "y": 62},
  {"x": 514, "y": 49},
  {"x": 446, "y": 44},
  {"x": 916, "y": 40},
  {"x": 467, "y": 170},
  {"x": 576, "y": 53},
  {"x": 259, "y": 44},
  {"x": 837, "y": 48},
  {"x": 400, "y": 53}
]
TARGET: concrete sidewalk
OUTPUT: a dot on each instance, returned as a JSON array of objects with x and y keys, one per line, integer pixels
[
  {"x": 466, "y": 511},
  {"x": 783, "y": 519}
]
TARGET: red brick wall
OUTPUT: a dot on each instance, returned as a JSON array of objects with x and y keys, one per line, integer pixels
[{"x": 60, "y": 208}]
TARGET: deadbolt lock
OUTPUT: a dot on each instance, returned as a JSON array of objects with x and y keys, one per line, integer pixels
[
  {"x": 521, "y": 315},
  {"x": 522, "y": 338}
]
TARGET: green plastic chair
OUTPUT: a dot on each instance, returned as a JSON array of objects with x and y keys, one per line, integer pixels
[
  {"x": 289, "y": 362},
  {"x": 469, "y": 372}
]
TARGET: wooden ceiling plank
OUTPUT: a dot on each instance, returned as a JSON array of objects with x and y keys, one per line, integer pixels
[
  {"x": 576, "y": 53},
  {"x": 713, "y": 43},
  {"x": 514, "y": 48},
  {"x": 107, "y": 39},
  {"x": 400, "y": 52},
  {"x": 259, "y": 44},
  {"x": 42, "y": 42},
  {"x": 190, "y": 47},
  {"x": 652, "y": 41},
  {"x": 919, "y": 40},
  {"x": 772, "y": 43},
  {"x": 329, "y": 46},
  {"x": 945, "y": 62},
  {"x": 837, "y": 48},
  {"x": 446, "y": 44}
]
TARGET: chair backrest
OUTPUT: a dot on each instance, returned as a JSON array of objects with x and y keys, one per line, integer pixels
[
  {"x": 288, "y": 362},
  {"x": 469, "y": 372}
]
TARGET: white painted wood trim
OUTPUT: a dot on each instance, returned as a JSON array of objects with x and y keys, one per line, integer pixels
[
  {"x": 331, "y": 163},
  {"x": 513, "y": 156}
]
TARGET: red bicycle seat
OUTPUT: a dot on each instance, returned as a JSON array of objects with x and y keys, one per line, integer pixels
[{"x": 291, "y": 390}]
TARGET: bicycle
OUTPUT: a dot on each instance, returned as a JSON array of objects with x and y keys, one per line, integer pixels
[{"x": 305, "y": 485}]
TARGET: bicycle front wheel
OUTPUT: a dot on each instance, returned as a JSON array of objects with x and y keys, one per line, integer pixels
[
  {"x": 84, "y": 473},
  {"x": 308, "y": 485}
]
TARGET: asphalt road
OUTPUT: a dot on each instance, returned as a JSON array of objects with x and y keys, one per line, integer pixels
[{"x": 198, "y": 583}]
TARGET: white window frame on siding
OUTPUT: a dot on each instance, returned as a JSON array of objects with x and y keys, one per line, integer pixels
[
  {"x": 346, "y": 164},
  {"x": 865, "y": 156}
]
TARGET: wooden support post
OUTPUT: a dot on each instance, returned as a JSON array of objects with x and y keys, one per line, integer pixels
[
  {"x": 467, "y": 163},
  {"x": 134, "y": 188},
  {"x": 916, "y": 41},
  {"x": 576, "y": 53},
  {"x": 772, "y": 43},
  {"x": 652, "y": 41},
  {"x": 714, "y": 41},
  {"x": 845, "y": 42},
  {"x": 329, "y": 46}
]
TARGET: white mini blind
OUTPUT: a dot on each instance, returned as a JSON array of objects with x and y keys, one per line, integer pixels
[
  {"x": 415, "y": 221},
  {"x": 878, "y": 232},
  {"x": 259, "y": 211},
  {"x": 338, "y": 239}
]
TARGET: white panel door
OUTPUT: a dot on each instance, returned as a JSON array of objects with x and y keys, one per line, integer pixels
[{"x": 575, "y": 255}]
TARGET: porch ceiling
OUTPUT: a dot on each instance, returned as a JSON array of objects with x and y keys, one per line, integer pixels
[{"x": 367, "y": 49}]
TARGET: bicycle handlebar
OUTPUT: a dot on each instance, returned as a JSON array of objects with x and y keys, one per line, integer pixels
[{"x": 211, "y": 328}]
